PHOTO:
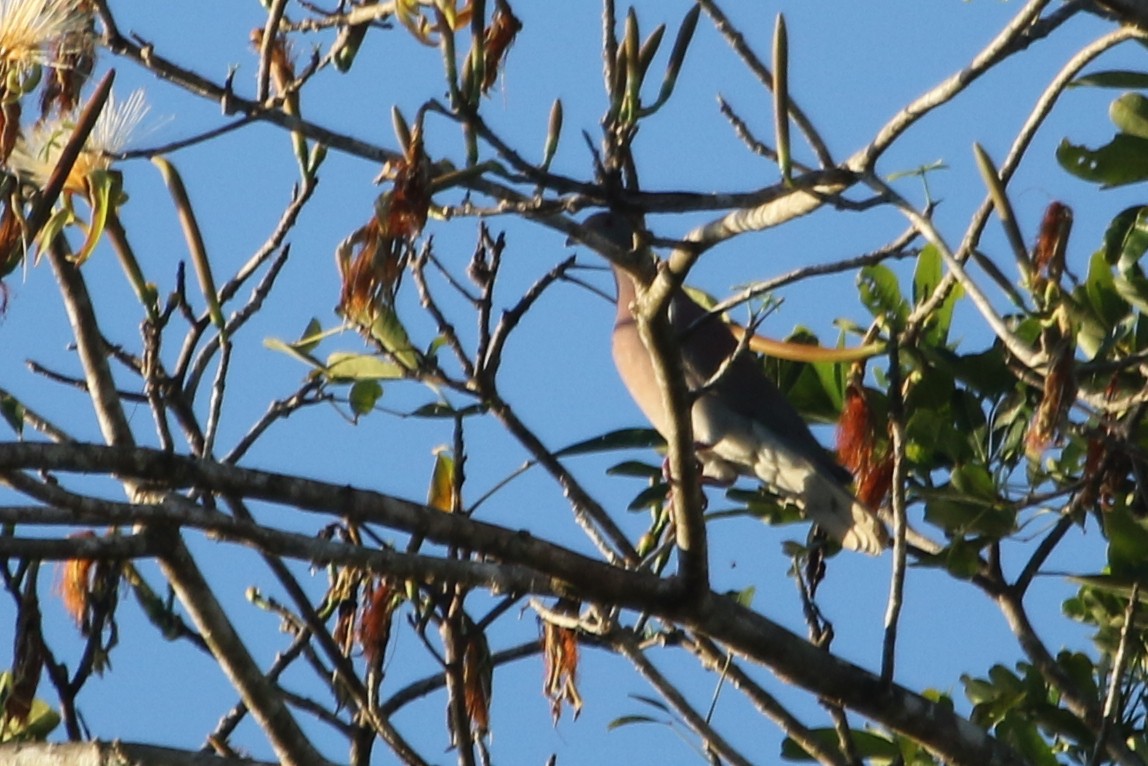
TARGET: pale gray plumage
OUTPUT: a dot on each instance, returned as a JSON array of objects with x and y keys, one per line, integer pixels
[{"x": 743, "y": 424}]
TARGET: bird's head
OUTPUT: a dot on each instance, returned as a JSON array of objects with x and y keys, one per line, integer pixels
[{"x": 612, "y": 235}]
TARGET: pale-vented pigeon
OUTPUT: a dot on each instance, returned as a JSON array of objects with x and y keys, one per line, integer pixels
[{"x": 743, "y": 425}]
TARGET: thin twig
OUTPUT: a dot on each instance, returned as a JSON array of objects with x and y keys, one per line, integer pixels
[{"x": 625, "y": 643}]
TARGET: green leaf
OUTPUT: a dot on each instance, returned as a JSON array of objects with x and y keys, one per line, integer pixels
[
  {"x": 649, "y": 497},
  {"x": 623, "y": 438},
  {"x": 445, "y": 410},
  {"x": 1130, "y": 114},
  {"x": 42, "y": 719},
  {"x": 392, "y": 336},
  {"x": 292, "y": 350},
  {"x": 364, "y": 394},
  {"x": 744, "y": 597},
  {"x": 870, "y": 745},
  {"x": 1127, "y": 544},
  {"x": 832, "y": 378},
  {"x": 926, "y": 277},
  {"x": 635, "y": 468},
  {"x": 1132, "y": 287},
  {"x": 881, "y": 294},
  {"x": 13, "y": 412},
  {"x": 1126, "y": 238},
  {"x": 103, "y": 193},
  {"x": 1112, "y": 79},
  {"x": 1123, "y": 160},
  {"x": 311, "y": 336},
  {"x": 1100, "y": 289},
  {"x": 345, "y": 366},
  {"x": 1021, "y": 732},
  {"x": 629, "y": 720}
]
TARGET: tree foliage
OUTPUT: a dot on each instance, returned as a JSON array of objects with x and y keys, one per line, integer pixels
[{"x": 989, "y": 449}]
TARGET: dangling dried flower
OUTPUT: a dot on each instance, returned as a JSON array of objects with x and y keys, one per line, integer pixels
[
  {"x": 72, "y": 59},
  {"x": 375, "y": 620},
  {"x": 560, "y": 651},
  {"x": 1059, "y": 394},
  {"x": 1049, "y": 252},
  {"x": 477, "y": 678},
  {"x": 855, "y": 430},
  {"x": 859, "y": 444},
  {"x": 402, "y": 212},
  {"x": 504, "y": 27}
]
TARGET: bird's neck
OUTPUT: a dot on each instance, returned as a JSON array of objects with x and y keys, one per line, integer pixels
[{"x": 626, "y": 294}]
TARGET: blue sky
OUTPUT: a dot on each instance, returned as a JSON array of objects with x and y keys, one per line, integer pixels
[{"x": 852, "y": 68}]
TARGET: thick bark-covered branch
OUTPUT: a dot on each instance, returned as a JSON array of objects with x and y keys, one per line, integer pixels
[{"x": 556, "y": 570}]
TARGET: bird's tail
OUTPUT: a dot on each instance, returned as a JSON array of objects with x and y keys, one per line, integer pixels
[{"x": 842, "y": 515}]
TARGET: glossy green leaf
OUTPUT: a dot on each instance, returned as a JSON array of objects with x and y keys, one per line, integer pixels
[
  {"x": 744, "y": 597},
  {"x": 311, "y": 337},
  {"x": 1114, "y": 78},
  {"x": 649, "y": 497},
  {"x": 1126, "y": 238},
  {"x": 292, "y": 350},
  {"x": 926, "y": 277},
  {"x": 342, "y": 365},
  {"x": 1022, "y": 733},
  {"x": 635, "y": 468},
  {"x": 13, "y": 412},
  {"x": 881, "y": 294},
  {"x": 870, "y": 745},
  {"x": 364, "y": 394},
  {"x": 42, "y": 719},
  {"x": 629, "y": 720},
  {"x": 444, "y": 410},
  {"x": 1100, "y": 290},
  {"x": 1123, "y": 160},
  {"x": 832, "y": 378},
  {"x": 388, "y": 330},
  {"x": 1130, "y": 114},
  {"x": 1127, "y": 544},
  {"x": 1132, "y": 286},
  {"x": 623, "y": 438}
]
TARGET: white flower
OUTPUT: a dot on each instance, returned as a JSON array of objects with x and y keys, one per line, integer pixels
[
  {"x": 28, "y": 29},
  {"x": 37, "y": 153}
]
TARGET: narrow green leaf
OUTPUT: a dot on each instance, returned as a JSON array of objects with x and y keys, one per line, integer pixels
[
  {"x": 623, "y": 438},
  {"x": 1112, "y": 79},
  {"x": 629, "y": 720},
  {"x": 104, "y": 192},
  {"x": 635, "y": 468},
  {"x": 781, "y": 98},
  {"x": 444, "y": 410}
]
